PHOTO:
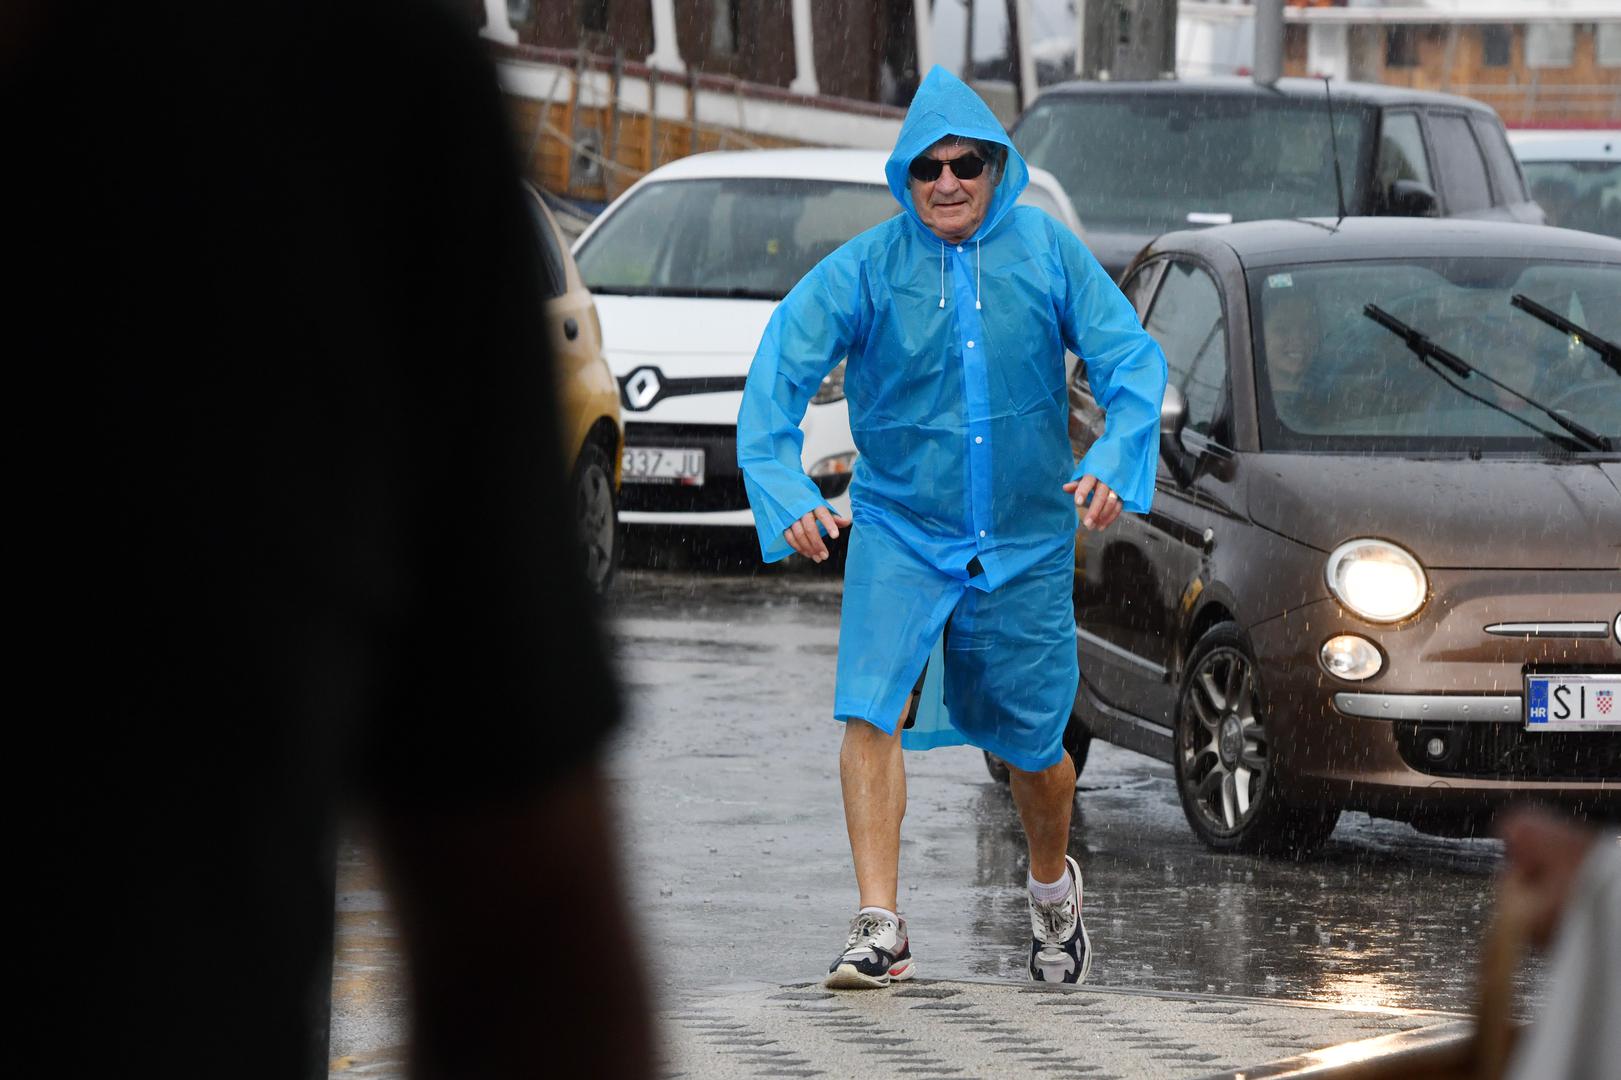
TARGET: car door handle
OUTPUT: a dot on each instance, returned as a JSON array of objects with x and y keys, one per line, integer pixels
[{"x": 571, "y": 329}]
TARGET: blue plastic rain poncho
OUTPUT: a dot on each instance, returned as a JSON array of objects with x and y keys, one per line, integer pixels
[{"x": 955, "y": 385}]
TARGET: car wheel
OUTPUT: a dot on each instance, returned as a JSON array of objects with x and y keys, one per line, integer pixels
[
  {"x": 596, "y": 518},
  {"x": 1077, "y": 740},
  {"x": 1226, "y": 774}
]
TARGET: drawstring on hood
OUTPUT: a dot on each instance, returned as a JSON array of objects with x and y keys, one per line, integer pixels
[
  {"x": 977, "y": 264},
  {"x": 976, "y": 274},
  {"x": 945, "y": 105}
]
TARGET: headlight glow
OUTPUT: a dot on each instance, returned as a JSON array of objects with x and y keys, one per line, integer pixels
[
  {"x": 832, "y": 388},
  {"x": 1350, "y": 657},
  {"x": 1377, "y": 580}
]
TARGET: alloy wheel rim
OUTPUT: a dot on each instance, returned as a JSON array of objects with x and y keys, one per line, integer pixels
[
  {"x": 594, "y": 524},
  {"x": 1224, "y": 747}
]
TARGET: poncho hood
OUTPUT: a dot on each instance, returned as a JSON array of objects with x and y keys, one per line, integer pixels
[{"x": 945, "y": 105}]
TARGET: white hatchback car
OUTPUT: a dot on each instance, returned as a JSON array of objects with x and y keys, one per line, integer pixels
[
  {"x": 687, "y": 267},
  {"x": 1575, "y": 176}
]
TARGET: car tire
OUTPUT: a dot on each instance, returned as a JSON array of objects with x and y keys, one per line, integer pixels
[
  {"x": 596, "y": 519},
  {"x": 1077, "y": 741},
  {"x": 1226, "y": 777}
]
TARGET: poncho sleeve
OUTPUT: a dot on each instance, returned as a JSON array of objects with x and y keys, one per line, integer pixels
[
  {"x": 813, "y": 328},
  {"x": 1125, "y": 369}
]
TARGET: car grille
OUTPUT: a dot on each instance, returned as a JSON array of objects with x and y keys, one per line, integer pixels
[
  {"x": 723, "y": 484},
  {"x": 1481, "y": 751}
]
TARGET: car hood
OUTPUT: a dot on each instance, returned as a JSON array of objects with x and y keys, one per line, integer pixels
[
  {"x": 1450, "y": 513},
  {"x": 683, "y": 337}
]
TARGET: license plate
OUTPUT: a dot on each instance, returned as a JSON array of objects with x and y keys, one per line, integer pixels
[
  {"x": 662, "y": 465},
  {"x": 1587, "y": 702}
]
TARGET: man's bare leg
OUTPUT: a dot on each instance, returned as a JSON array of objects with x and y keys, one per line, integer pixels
[
  {"x": 1045, "y": 800},
  {"x": 874, "y": 779},
  {"x": 1061, "y": 951}
]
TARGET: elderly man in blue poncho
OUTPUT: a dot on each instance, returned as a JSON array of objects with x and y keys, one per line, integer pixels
[{"x": 953, "y": 318}]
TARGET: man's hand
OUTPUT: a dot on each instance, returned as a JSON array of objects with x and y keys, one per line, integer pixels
[
  {"x": 804, "y": 537},
  {"x": 1105, "y": 505}
]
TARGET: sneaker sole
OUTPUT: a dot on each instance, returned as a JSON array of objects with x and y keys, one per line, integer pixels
[
  {"x": 846, "y": 977},
  {"x": 1086, "y": 939}
]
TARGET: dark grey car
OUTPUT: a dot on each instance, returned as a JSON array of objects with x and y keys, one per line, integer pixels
[{"x": 1139, "y": 159}]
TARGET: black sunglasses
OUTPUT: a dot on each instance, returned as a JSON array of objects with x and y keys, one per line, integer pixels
[{"x": 926, "y": 169}]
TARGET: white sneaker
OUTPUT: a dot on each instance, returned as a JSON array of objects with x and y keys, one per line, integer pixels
[
  {"x": 876, "y": 954},
  {"x": 1060, "y": 950}
]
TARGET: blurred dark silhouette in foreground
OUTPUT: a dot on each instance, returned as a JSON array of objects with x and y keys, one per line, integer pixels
[
  {"x": 1562, "y": 885},
  {"x": 296, "y": 541}
]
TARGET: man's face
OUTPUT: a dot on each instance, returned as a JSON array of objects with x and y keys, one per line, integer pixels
[{"x": 950, "y": 207}]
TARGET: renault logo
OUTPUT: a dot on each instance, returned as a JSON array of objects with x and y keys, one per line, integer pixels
[{"x": 642, "y": 388}]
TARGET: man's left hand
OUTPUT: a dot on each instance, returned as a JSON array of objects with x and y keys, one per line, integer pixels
[{"x": 1105, "y": 504}]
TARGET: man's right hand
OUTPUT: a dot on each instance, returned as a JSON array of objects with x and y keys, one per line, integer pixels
[{"x": 804, "y": 537}]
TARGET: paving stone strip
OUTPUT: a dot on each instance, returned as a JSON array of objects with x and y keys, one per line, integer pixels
[{"x": 996, "y": 1030}]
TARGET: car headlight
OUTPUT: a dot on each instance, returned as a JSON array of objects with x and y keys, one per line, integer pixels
[
  {"x": 832, "y": 388},
  {"x": 1350, "y": 657},
  {"x": 1377, "y": 580}
]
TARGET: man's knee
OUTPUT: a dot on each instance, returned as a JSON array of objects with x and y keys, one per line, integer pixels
[
  {"x": 864, "y": 733},
  {"x": 1055, "y": 771},
  {"x": 859, "y": 730}
]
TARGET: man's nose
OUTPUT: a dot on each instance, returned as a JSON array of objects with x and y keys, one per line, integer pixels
[{"x": 948, "y": 182}]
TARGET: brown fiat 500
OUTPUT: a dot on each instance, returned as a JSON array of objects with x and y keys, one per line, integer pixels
[{"x": 1383, "y": 567}]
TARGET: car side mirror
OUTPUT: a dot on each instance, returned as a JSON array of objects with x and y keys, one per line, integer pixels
[
  {"x": 1173, "y": 417},
  {"x": 1409, "y": 198}
]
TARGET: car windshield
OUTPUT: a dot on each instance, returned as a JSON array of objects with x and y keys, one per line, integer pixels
[
  {"x": 750, "y": 237},
  {"x": 1330, "y": 378},
  {"x": 1158, "y": 161},
  {"x": 1583, "y": 195}
]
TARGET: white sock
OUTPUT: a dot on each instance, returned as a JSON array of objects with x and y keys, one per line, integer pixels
[
  {"x": 1048, "y": 894},
  {"x": 882, "y": 913}
]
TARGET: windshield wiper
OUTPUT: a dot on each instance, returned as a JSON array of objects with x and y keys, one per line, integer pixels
[
  {"x": 1608, "y": 351},
  {"x": 1425, "y": 349}
]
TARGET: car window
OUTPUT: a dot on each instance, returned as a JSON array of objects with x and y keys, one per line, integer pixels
[
  {"x": 1582, "y": 195},
  {"x": 1499, "y": 159},
  {"x": 1401, "y": 152},
  {"x": 1463, "y": 173},
  {"x": 554, "y": 279},
  {"x": 1139, "y": 288},
  {"x": 1188, "y": 323},
  {"x": 1330, "y": 378},
  {"x": 745, "y": 237}
]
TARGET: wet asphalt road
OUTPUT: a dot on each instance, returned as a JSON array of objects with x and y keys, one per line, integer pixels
[{"x": 726, "y": 774}]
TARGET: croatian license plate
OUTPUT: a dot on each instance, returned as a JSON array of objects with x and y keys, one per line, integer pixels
[
  {"x": 1586, "y": 702},
  {"x": 662, "y": 465}
]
